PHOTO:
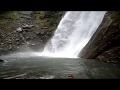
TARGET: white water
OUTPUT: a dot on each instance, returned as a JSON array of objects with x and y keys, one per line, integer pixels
[{"x": 73, "y": 33}]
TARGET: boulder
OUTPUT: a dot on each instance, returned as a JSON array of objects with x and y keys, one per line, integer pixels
[
  {"x": 27, "y": 26},
  {"x": 105, "y": 42},
  {"x": 1, "y": 60}
]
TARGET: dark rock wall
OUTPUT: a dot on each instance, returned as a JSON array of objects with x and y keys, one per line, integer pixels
[
  {"x": 42, "y": 24},
  {"x": 105, "y": 43}
]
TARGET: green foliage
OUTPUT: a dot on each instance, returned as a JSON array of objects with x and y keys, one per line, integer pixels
[
  {"x": 7, "y": 19},
  {"x": 11, "y": 15},
  {"x": 47, "y": 18}
]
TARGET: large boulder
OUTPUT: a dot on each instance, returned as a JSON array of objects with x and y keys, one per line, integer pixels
[{"x": 105, "y": 43}]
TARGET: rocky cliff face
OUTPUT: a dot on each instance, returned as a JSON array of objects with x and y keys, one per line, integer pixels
[
  {"x": 26, "y": 30},
  {"x": 105, "y": 43}
]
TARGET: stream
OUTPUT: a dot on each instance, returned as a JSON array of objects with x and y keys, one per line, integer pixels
[{"x": 56, "y": 68}]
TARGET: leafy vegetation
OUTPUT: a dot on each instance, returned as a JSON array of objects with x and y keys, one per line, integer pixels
[{"x": 7, "y": 19}]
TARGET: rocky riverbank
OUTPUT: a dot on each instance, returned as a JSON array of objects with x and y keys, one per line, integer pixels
[
  {"x": 26, "y": 30},
  {"x": 105, "y": 43}
]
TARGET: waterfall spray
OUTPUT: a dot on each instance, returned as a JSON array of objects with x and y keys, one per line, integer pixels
[{"x": 73, "y": 33}]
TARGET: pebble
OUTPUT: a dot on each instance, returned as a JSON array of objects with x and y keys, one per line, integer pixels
[{"x": 19, "y": 29}]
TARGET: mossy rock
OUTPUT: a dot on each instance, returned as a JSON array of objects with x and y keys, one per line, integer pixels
[
  {"x": 7, "y": 19},
  {"x": 47, "y": 18}
]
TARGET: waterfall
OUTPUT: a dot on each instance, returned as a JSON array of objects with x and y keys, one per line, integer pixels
[{"x": 73, "y": 33}]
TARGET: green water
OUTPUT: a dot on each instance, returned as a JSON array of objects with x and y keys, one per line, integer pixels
[{"x": 57, "y": 68}]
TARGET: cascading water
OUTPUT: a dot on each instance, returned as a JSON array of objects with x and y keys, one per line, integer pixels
[{"x": 73, "y": 33}]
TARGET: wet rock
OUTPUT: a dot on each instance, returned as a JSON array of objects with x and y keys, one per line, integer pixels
[
  {"x": 1, "y": 60},
  {"x": 33, "y": 44},
  {"x": 19, "y": 29},
  {"x": 105, "y": 42},
  {"x": 27, "y": 26},
  {"x": 44, "y": 27},
  {"x": 70, "y": 77}
]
